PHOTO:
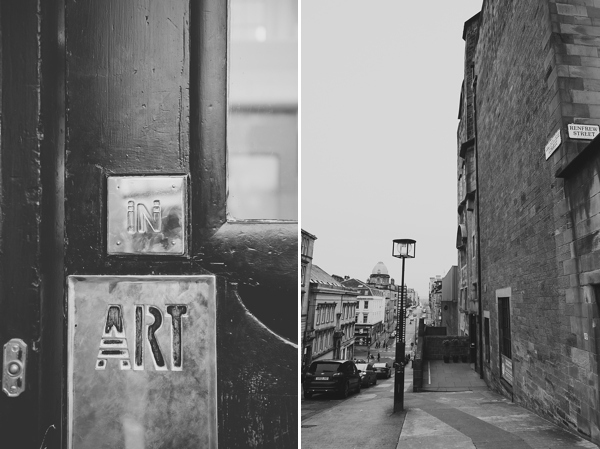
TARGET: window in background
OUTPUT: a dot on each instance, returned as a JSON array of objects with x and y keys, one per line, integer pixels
[{"x": 262, "y": 127}]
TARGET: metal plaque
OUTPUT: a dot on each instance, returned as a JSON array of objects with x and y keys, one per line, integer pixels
[
  {"x": 142, "y": 362},
  {"x": 582, "y": 131},
  {"x": 146, "y": 214}
]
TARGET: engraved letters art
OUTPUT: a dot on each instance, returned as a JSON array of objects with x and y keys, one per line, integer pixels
[{"x": 147, "y": 322}]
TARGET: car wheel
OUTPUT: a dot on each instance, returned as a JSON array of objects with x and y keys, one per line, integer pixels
[
  {"x": 307, "y": 395},
  {"x": 346, "y": 391}
]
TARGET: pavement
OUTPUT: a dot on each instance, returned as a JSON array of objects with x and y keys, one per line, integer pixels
[{"x": 457, "y": 410}]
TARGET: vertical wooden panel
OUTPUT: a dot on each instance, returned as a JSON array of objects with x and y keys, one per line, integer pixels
[
  {"x": 52, "y": 103},
  {"x": 128, "y": 99},
  {"x": 20, "y": 204}
]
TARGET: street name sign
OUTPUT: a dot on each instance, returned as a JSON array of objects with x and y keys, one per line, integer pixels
[
  {"x": 553, "y": 144},
  {"x": 581, "y": 131}
]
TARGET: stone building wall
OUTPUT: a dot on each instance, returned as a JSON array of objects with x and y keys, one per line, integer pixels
[
  {"x": 576, "y": 39},
  {"x": 538, "y": 69},
  {"x": 467, "y": 297}
]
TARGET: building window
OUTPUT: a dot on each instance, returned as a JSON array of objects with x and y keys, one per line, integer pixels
[
  {"x": 486, "y": 336},
  {"x": 365, "y": 317},
  {"x": 304, "y": 248},
  {"x": 473, "y": 245},
  {"x": 504, "y": 326},
  {"x": 366, "y": 304},
  {"x": 505, "y": 338}
]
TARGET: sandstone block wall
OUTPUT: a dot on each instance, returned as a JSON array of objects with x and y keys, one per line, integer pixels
[{"x": 538, "y": 68}]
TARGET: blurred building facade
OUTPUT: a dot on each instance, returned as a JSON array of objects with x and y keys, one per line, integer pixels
[{"x": 262, "y": 131}]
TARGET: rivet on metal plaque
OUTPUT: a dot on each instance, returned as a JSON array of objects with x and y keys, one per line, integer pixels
[
  {"x": 13, "y": 368},
  {"x": 146, "y": 215}
]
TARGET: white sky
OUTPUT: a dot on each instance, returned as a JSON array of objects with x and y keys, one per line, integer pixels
[{"x": 380, "y": 90}]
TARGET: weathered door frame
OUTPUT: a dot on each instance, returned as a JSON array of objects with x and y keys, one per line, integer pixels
[{"x": 39, "y": 187}]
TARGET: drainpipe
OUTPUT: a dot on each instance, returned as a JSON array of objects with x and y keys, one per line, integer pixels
[{"x": 480, "y": 317}]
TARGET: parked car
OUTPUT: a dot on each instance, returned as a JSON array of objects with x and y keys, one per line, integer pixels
[
  {"x": 368, "y": 375},
  {"x": 332, "y": 376},
  {"x": 383, "y": 370}
]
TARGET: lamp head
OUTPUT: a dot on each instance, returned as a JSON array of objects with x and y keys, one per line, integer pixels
[{"x": 404, "y": 248}]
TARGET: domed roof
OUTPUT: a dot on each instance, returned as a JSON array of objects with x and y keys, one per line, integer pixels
[{"x": 380, "y": 268}]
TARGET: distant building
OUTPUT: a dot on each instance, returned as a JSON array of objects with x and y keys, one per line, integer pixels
[
  {"x": 306, "y": 254},
  {"x": 380, "y": 279},
  {"x": 370, "y": 312},
  {"x": 435, "y": 299},
  {"x": 449, "y": 303},
  {"x": 331, "y": 315},
  {"x": 413, "y": 297}
]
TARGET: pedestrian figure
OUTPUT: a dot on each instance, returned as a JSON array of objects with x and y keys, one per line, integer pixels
[{"x": 378, "y": 357}]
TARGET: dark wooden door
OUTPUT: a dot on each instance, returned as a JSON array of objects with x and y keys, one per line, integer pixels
[{"x": 127, "y": 88}]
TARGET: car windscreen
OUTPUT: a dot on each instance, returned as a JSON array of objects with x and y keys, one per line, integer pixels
[
  {"x": 324, "y": 367},
  {"x": 361, "y": 366},
  {"x": 379, "y": 365}
]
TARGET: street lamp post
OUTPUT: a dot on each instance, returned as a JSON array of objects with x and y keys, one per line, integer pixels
[{"x": 401, "y": 248}]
